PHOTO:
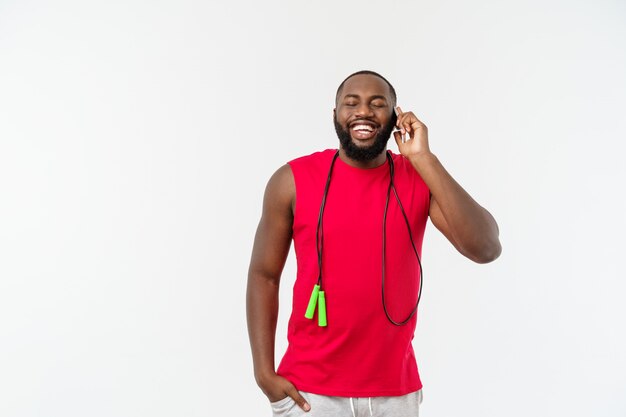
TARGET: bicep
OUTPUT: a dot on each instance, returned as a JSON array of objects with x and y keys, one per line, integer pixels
[{"x": 274, "y": 232}]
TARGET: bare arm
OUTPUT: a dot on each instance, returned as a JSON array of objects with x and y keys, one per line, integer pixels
[
  {"x": 269, "y": 253},
  {"x": 469, "y": 227}
]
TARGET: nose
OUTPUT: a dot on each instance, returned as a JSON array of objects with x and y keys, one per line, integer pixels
[{"x": 364, "y": 110}]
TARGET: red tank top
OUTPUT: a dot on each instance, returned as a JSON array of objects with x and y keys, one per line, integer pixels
[{"x": 360, "y": 353}]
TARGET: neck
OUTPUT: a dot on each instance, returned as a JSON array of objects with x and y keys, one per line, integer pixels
[{"x": 373, "y": 163}]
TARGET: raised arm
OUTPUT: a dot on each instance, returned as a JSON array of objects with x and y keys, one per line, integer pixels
[
  {"x": 269, "y": 253},
  {"x": 467, "y": 225}
]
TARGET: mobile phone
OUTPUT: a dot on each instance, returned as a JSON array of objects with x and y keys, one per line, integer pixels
[{"x": 395, "y": 119}]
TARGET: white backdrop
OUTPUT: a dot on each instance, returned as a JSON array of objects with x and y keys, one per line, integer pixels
[{"x": 136, "y": 139}]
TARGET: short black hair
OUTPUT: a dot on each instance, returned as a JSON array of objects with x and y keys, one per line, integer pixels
[{"x": 367, "y": 72}]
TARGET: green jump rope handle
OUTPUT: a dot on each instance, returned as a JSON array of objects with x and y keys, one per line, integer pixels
[
  {"x": 310, "y": 310},
  {"x": 321, "y": 310}
]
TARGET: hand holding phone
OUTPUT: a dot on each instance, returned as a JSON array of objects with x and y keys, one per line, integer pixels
[{"x": 411, "y": 134}]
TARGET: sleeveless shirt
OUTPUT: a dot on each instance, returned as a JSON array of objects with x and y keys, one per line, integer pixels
[{"x": 360, "y": 353}]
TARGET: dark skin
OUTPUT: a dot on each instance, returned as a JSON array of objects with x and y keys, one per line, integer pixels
[{"x": 469, "y": 227}]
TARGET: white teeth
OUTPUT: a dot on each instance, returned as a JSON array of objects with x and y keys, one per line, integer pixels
[{"x": 363, "y": 127}]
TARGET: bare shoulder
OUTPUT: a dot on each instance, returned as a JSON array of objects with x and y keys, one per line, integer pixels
[{"x": 281, "y": 190}]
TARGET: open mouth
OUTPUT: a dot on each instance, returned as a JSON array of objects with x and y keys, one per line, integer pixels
[{"x": 363, "y": 130}]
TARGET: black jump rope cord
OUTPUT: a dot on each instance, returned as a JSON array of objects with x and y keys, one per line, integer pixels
[{"x": 317, "y": 297}]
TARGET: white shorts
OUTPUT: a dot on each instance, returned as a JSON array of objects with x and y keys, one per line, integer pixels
[{"x": 326, "y": 406}]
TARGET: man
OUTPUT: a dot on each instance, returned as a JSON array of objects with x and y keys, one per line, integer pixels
[{"x": 357, "y": 218}]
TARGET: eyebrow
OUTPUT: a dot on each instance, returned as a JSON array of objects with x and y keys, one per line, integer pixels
[{"x": 371, "y": 98}]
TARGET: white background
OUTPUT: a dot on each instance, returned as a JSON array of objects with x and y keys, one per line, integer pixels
[{"x": 136, "y": 139}]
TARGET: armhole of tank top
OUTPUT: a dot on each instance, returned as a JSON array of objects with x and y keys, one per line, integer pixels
[
  {"x": 294, "y": 205},
  {"x": 303, "y": 167}
]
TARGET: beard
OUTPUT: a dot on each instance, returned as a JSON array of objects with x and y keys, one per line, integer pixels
[{"x": 364, "y": 153}]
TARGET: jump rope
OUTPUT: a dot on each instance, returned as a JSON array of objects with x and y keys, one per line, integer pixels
[{"x": 318, "y": 296}]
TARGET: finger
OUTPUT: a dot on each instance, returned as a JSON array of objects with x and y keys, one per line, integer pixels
[
  {"x": 400, "y": 123},
  {"x": 299, "y": 399},
  {"x": 398, "y": 111},
  {"x": 411, "y": 123},
  {"x": 407, "y": 124},
  {"x": 418, "y": 120},
  {"x": 405, "y": 120},
  {"x": 417, "y": 124}
]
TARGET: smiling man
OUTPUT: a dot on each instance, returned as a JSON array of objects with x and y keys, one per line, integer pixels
[{"x": 357, "y": 217}]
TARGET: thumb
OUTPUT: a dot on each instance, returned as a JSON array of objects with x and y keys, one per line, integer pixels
[{"x": 299, "y": 399}]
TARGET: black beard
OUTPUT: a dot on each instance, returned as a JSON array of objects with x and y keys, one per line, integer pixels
[{"x": 364, "y": 153}]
